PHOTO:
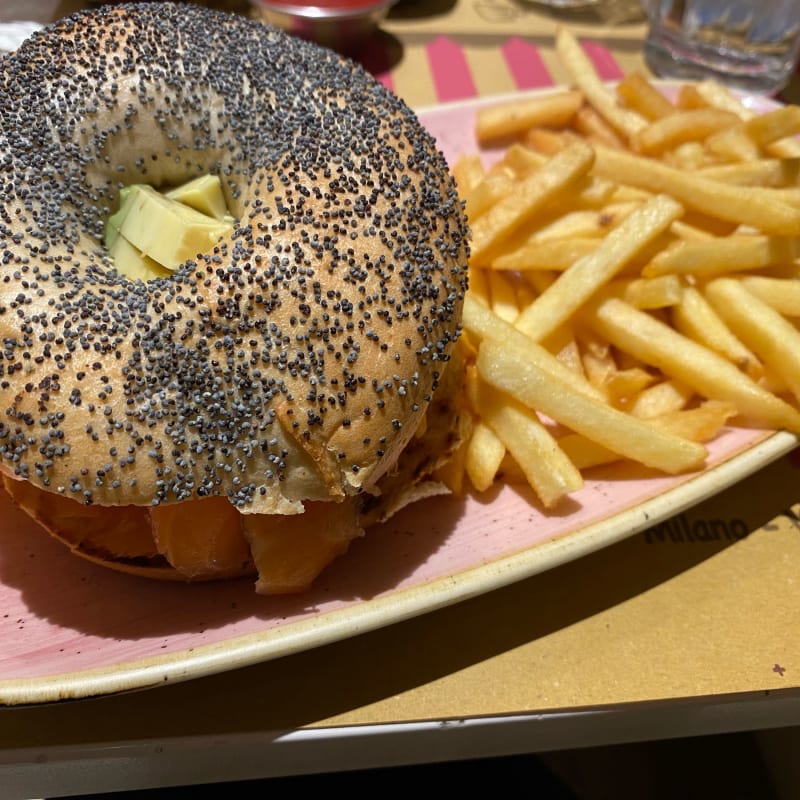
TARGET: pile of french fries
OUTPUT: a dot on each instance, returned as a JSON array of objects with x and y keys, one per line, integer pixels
[{"x": 633, "y": 279}]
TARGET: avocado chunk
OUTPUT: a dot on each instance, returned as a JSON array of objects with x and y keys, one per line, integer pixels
[
  {"x": 161, "y": 228},
  {"x": 203, "y": 194},
  {"x": 130, "y": 262}
]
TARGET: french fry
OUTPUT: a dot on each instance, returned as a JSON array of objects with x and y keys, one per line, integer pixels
[
  {"x": 533, "y": 193},
  {"x": 485, "y": 453},
  {"x": 567, "y": 351},
  {"x": 519, "y": 160},
  {"x": 540, "y": 280},
  {"x": 482, "y": 324},
  {"x": 583, "y": 223},
  {"x": 716, "y": 94},
  {"x": 585, "y": 453},
  {"x": 574, "y": 286},
  {"x": 598, "y": 364},
  {"x": 583, "y": 74},
  {"x": 555, "y": 253},
  {"x": 783, "y": 294},
  {"x": 479, "y": 285},
  {"x": 689, "y": 156},
  {"x": 626, "y": 383},
  {"x": 695, "y": 317},
  {"x": 663, "y": 291},
  {"x": 635, "y": 281},
  {"x": 773, "y": 338},
  {"x": 685, "y": 126},
  {"x": 546, "y": 142},
  {"x": 468, "y": 172},
  {"x": 685, "y": 230},
  {"x": 700, "y": 424},
  {"x": 690, "y": 98},
  {"x": 759, "y": 208},
  {"x": 775, "y": 172},
  {"x": 641, "y": 96},
  {"x": 772, "y": 126},
  {"x": 452, "y": 473},
  {"x": 789, "y": 195},
  {"x": 733, "y": 143},
  {"x": 655, "y": 343},
  {"x": 722, "y": 254},
  {"x": 553, "y": 110},
  {"x": 510, "y": 472},
  {"x": 547, "y": 469},
  {"x": 594, "y": 128},
  {"x": 508, "y": 370},
  {"x": 503, "y": 298},
  {"x": 665, "y": 397},
  {"x": 592, "y": 192},
  {"x": 485, "y": 194}
]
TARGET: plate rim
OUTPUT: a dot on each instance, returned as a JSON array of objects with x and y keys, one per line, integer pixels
[{"x": 369, "y": 615}]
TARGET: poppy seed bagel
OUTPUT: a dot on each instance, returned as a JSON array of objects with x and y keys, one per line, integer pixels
[{"x": 292, "y": 362}]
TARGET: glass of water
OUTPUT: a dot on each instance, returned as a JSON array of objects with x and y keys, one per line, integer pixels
[{"x": 747, "y": 44}]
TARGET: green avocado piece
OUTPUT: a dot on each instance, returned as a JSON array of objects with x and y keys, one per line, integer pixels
[
  {"x": 161, "y": 228},
  {"x": 203, "y": 194}
]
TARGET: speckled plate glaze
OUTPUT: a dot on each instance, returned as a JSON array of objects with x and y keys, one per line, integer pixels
[{"x": 69, "y": 629}]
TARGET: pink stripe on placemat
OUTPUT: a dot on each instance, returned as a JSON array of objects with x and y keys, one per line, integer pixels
[
  {"x": 605, "y": 63},
  {"x": 525, "y": 64},
  {"x": 450, "y": 71}
]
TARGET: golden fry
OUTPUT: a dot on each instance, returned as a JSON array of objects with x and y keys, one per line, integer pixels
[
  {"x": 504, "y": 120},
  {"x": 685, "y": 126},
  {"x": 772, "y": 126},
  {"x": 700, "y": 424},
  {"x": 655, "y": 343},
  {"x": 633, "y": 438},
  {"x": 485, "y": 194},
  {"x": 532, "y": 194},
  {"x": 634, "y": 280},
  {"x": 759, "y": 326},
  {"x": 574, "y": 286},
  {"x": 775, "y": 172},
  {"x": 641, "y": 96},
  {"x": 722, "y": 254},
  {"x": 468, "y": 172},
  {"x": 485, "y": 453},
  {"x": 696, "y": 318},
  {"x": 690, "y": 98},
  {"x": 481, "y": 323},
  {"x": 783, "y": 294},
  {"x": 595, "y": 129},
  {"x": 598, "y": 94},
  {"x": 547, "y": 254},
  {"x": 547, "y": 469},
  {"x": 760, "y": 208},
  {"x": 663, "y": 291},
  {"x": 503, "y": 298},
  {"x": 663, "y": 398}
]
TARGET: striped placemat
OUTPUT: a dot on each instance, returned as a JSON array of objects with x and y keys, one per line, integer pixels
[{"x": 439, "y": 68}]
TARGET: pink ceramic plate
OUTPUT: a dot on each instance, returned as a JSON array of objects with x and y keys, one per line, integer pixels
[{"x": 69, "y": 629}]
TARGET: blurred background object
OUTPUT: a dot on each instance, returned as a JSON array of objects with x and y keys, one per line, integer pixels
[
  {"x": 342, "y": 25},
  {"x": 753, "y": 45}
]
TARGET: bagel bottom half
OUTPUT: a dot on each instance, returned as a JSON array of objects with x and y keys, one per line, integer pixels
[{"x": 209, "y": 539}]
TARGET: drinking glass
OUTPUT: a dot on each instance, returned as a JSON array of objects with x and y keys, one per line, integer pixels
[{"x": 748, "y": 44}]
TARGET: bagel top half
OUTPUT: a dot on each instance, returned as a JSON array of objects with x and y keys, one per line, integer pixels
[{"x": 294, "y": 361}]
